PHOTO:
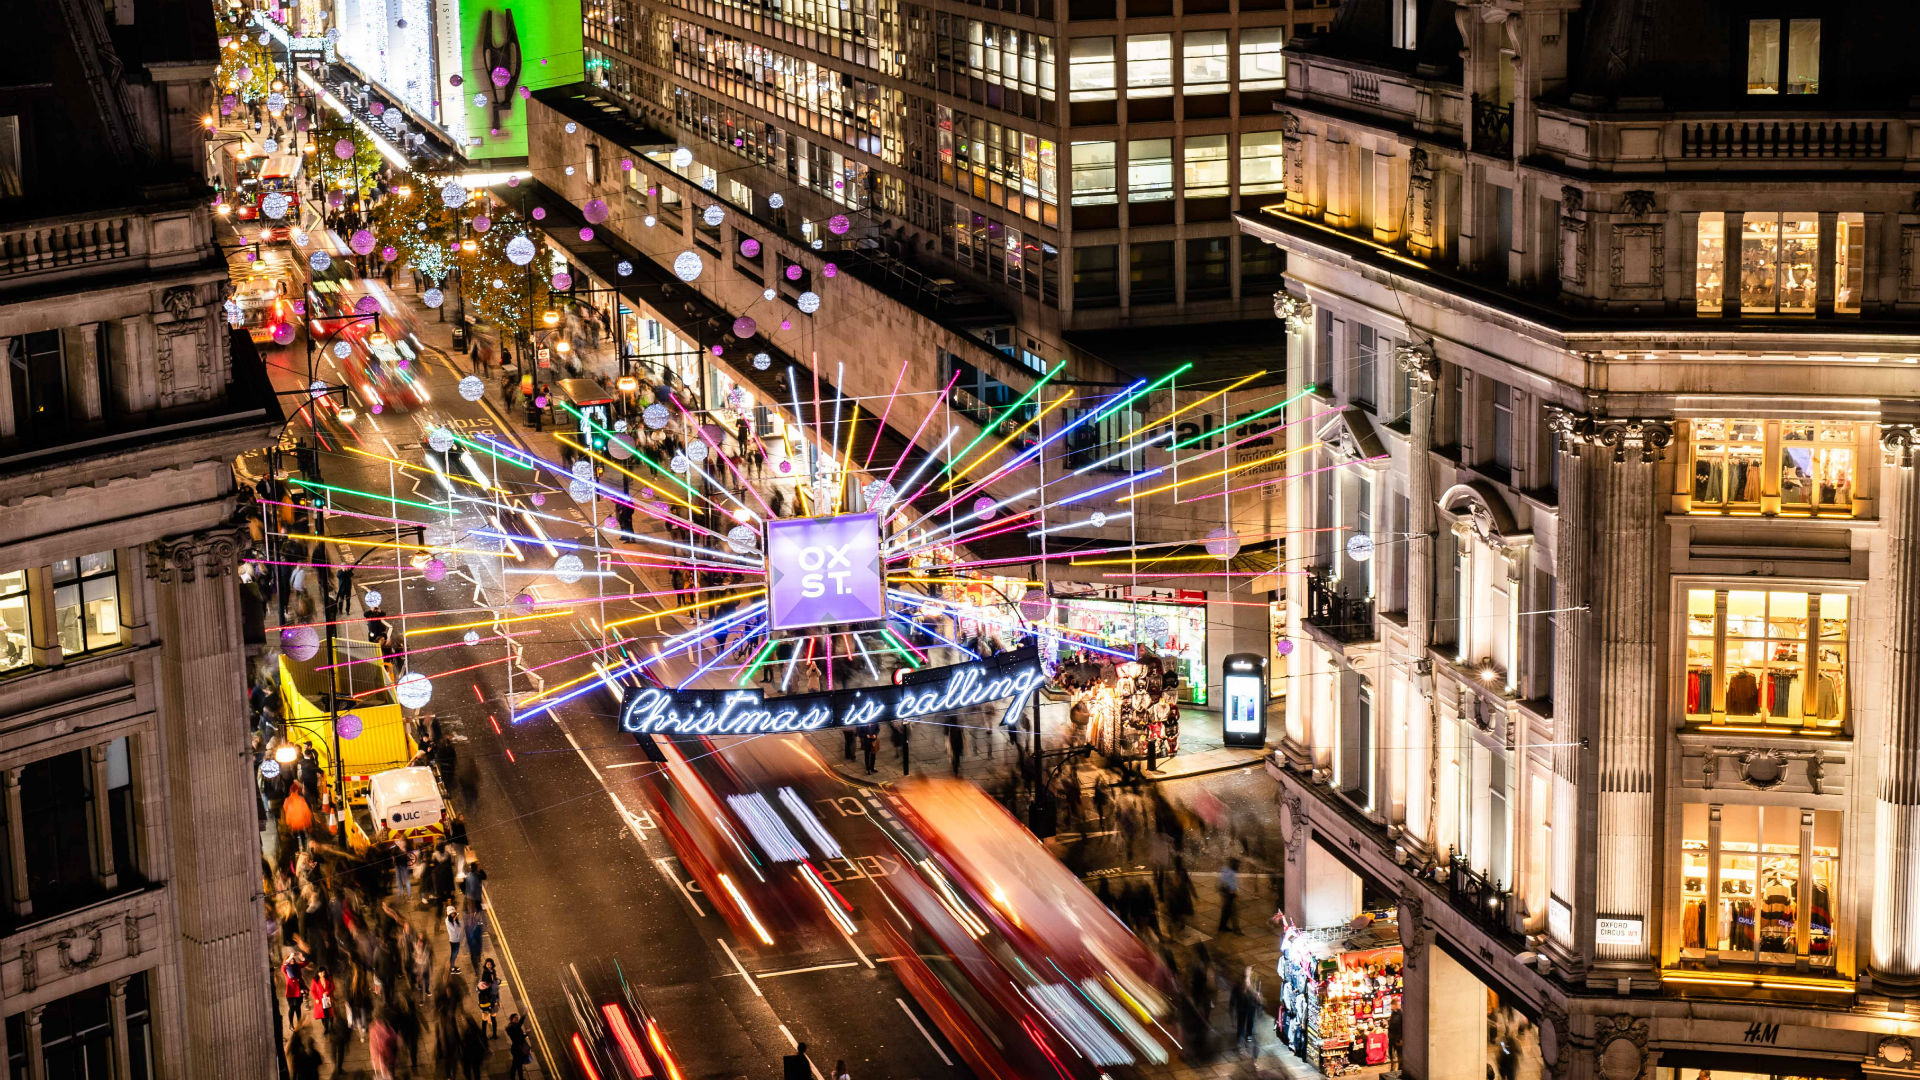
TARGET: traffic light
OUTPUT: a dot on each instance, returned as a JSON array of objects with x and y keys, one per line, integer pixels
[{"x": 597, "y": 438}]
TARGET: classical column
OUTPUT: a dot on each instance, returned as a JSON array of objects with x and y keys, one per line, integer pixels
[
  {"x": 117, "y": 1012},
  {"x": 17, "y": 848},
  {"x": 1298, "y": 315},
  {"x": 1423, "y": 722},
  {"x": 36, "y": 1046},
  {"x": 1895, "y": 957},
  {"x": 1626, "y": 729},
  {"x": 1571, "y": 547},
  {"x": 104, "y": 870},
  {"x": 202, "y": 721}
]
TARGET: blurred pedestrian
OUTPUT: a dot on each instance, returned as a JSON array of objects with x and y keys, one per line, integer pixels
[
  {"x": 956, "y": 745},
  {"x": 296, "y": 989},
  {"x": 455, "y": 933},
  {"x": 870, "y": 744},
  {"x": 1229, "y": 896},
  {"x": 903, "y": 740},
  {"x": 303, "y": 1057},
  {"x": 840, "y": 1071},
  {"x": 1245, "y": 1003},
  {"x": 470, "y": 925},
  {"x": 473, "y": 1048}
]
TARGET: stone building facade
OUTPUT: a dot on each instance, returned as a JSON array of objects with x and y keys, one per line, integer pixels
[
  {"x": 1613, "y": 707},
  {"x": 131, "y": 926}
]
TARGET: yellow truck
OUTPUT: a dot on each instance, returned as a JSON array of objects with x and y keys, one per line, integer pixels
[{"x": 347, "y": 684}]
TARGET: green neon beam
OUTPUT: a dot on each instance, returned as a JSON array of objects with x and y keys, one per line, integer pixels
[
  {"x": 995, "y": 422},
  {"x": 1243, "y": 421},
  {"x": 758, "y": 662},
  {"x": 376, "y": 498}
]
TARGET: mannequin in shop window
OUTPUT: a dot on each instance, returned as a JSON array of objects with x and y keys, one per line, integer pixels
[
  {"x": 1736, "y": 915},
  {"x": 1776, "y": 913},
  {"x": 1693, "y": 916}
]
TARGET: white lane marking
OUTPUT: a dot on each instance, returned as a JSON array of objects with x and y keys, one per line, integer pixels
[
  {"x": 923, "y": 1030},
  {"x": 667, "y": 872},
  {"x": 857, "y": 950},
  {"x": 803, "y": 970},
  {"x": 740, "y": 967},
  {"x": 795, "y": 1043}
]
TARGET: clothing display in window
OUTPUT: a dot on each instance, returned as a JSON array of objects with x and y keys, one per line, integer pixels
[
  {"x": 1828, "y": 692},
  {"x": 1776, "y": 915},
  {"x": 1783, "y": 693},
  {"x": 1743, "y": 694},
  {"x": 1707, "y": 486},
  {"x": 1736, "y": 924},
  {"x": 1693, "y": 924},
  {"x": 1699, "y": 690},
  {"x": 1820, "y": 923}
]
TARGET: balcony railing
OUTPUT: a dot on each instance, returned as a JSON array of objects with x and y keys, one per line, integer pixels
[
  {"x": 56, "y": 245},
  {"x": 1784, "y": 139},
  {"x": 1343, "y": 618},
  {"x": 1484, "y": 901},
  {"x": 1492, "y": 128}
]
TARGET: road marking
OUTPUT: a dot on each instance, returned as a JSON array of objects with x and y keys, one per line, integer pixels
[
  {"x": 795, "y": 1043},
  {"x": 804, "y": 970},
  {"x": 740, "y": 967},
  {"x": 923, "y": 1030},
  {"x": 857, "y": 950},
  {"x": 519, "y": 984},
  {"x": 667, "y": 871}
]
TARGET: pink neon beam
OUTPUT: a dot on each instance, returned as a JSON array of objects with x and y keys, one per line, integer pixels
[
  {"x": 882, "y": 429},
  {"x": 915, "y": 441}
]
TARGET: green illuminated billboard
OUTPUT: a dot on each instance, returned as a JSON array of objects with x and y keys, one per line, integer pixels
[{"x": 507, "y": 49}]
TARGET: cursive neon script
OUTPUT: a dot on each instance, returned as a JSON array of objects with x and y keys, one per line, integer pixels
[{"x": 652, "y": 710}]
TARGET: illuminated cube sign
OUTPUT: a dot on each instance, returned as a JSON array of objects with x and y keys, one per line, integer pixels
[{"x": 825, "y": 570}]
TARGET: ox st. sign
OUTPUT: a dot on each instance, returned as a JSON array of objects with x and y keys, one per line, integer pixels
[{"x": 1009, "y": 677}]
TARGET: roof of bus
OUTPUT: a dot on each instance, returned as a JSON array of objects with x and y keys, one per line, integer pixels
[
  {"x": 583, "y": 391},
  {"x": 280, "y": 166},
  {"x": 246, "y": 150}
]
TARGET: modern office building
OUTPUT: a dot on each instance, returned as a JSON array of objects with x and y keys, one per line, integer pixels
[
  {"x": 1605, "y": 692},
  {"x": 131, "y": 927}
]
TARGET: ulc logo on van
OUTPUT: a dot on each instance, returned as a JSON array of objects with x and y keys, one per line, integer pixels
[
  {"x": 825, "y": 570},
  {"x": 406, "y": 817}
]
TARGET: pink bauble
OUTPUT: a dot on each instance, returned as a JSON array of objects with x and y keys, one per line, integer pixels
[
  {"x": 361, "y": 242},
  {"x": 343, "y": 149},
  {"x": 594, "y": 210},
  {"x": 586, "y": 232},
  {"x": 482, "y": 223},
  {"x": 744, "y": 327},
  {"x": 749, "y": 247},
  {"x": 539, "y": 213}
]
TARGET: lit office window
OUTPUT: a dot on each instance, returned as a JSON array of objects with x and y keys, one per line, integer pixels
[
  {"x": 1203, "y": 57},
  {"x": 86, "y": 603},
  {"x": 1149, "y": 170},
  {"x": 1093, "y": 174},
  {"x": 1796, "y": 69},
  {"x": 16, "y": 645},
  {"x": 1262, "y": 64},
  {"x": 1149, "y": 65},
  {"x": 1206, "y": 166},
  {"x": 1090, "y": 69},
  {"x": 1261, "y": 154}
]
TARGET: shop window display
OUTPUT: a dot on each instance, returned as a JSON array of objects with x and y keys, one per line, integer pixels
[
  {"x": 1338, "y": 991},
  {"x": 1177, "y": 633},
  {"x": 1793, "y": 467},
  {"x": 1757, "y": 883},
  {"x": 1849, "y": 262},
  {"x": 1816, "y": 466},
  {"x": 1710, "y": 263},
  {"x": 1777, "y": 263},
  {"x": 1775, "y": 657}
]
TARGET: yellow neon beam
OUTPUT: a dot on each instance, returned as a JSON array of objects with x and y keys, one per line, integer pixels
[
  {"x": 623, "y": 472},
  {"x": 846, "y": 467},
  {"x": 995, "y": 448},
  {"x": 410, "y": 467},
  {"x": 1222, "y": 472},
  {"x": 1229, "y": 388},
  {"x": 490, "y": 622},
  {"x": 403, "y": 547},
  {"x": 690, "y": 607}
]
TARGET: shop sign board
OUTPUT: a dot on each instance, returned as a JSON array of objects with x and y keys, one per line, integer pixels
[
  {"x": 1010, "y": 677},
  {"x": 825, "y": 570},
  {"x": 1619, "y": 930},
  {"x": 1244, "y": 683}
]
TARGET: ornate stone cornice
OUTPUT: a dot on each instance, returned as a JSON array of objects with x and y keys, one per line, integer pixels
[
  {"x": 1295, "y": 311},
  {"x": 177, "y": 558},
  {"x": 1623, "y": 435},
  {"x": 1417, "y": 361},
  {"x": 1900, "y": 441}
]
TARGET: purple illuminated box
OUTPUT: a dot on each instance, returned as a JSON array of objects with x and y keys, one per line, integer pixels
[{"x": 825, "y": 570}]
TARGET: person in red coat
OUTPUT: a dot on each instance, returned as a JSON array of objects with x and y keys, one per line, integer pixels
[{"x": 290, "y": 970}]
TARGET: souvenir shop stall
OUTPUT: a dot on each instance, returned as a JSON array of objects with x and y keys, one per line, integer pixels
[
  {"x": 1338, "y": 987},
  {"x": 1177, "y": 633},
  {"x": 1128, "y": 710}
]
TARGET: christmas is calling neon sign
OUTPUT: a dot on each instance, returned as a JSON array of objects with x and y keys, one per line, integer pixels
[{"x": 1009, "y": 677}]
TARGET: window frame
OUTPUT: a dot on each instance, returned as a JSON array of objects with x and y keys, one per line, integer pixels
[
  {"x": 1703, "y": 856},
  {"x": 1261, "y": 54},
  {"x": 1143, "y": 168},
  {"x": 1781, "y": 67},
  {"x": 24, "y": 595},
  {"x": 1703, "y": 707},
  {"x": 79, "y": 581},
  {"x": 1220, "y": 151},
  {"x": 1149, "y": 75},
  {"x": 1093, "y": 194},
  {"x": 1772, "y": 440},
  {"x": 1268, "y": 151},
  {"x": 1218, "y": 50},
  {"x": 1101, "y": 86}
]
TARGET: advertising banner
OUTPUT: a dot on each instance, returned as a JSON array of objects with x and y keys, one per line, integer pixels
[
  {"x": 826, "y": 570},
  {"x": 504, "y": 47},
  {"x": 1010, "y": 677}
]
